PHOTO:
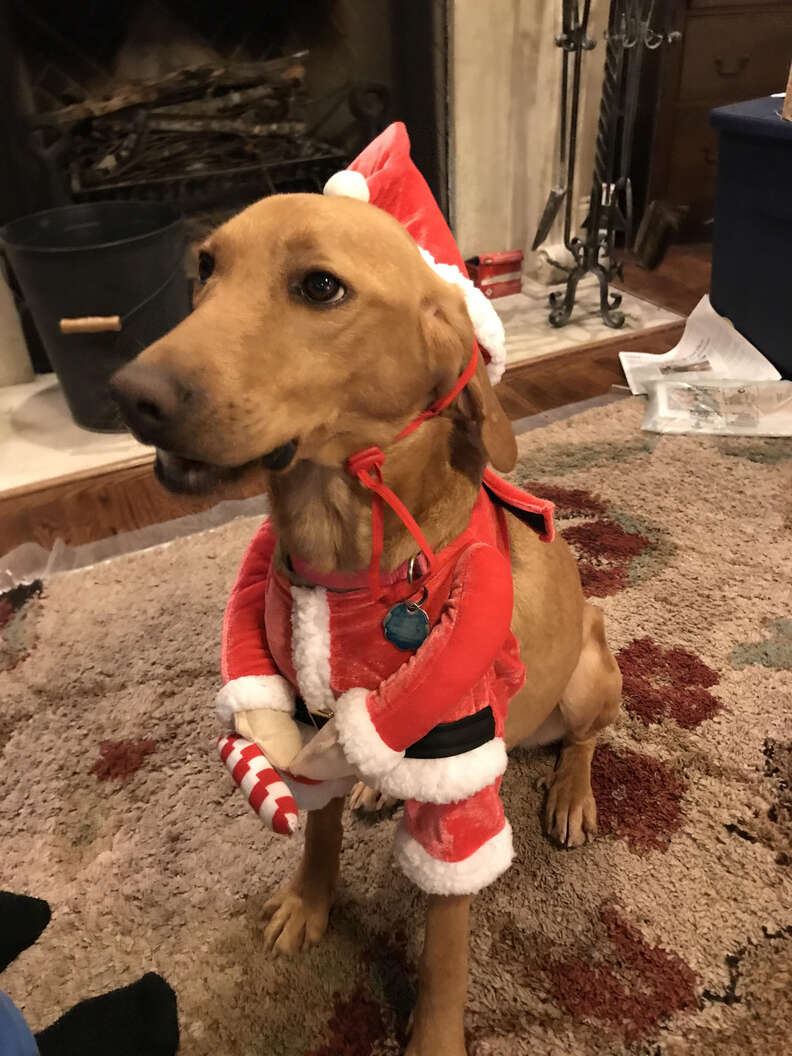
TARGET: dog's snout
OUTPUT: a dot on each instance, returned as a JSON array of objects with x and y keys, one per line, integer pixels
[{"x": 151, "y": 400}]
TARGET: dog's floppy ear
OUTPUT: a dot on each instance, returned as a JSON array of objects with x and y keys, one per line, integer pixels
[
  {"x": 496, "y": 431},
  {"x": 448, "y": 340}
]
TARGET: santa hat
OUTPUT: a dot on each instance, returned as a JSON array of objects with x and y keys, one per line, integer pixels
[{"x": 385, "y": 175}]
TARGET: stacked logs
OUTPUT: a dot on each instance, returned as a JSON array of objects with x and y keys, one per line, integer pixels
[{"x": 197, "y": 120}]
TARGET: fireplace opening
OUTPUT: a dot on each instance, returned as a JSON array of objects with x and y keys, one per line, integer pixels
[{"x": 211, "y": 105}]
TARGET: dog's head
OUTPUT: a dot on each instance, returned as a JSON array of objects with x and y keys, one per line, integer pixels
[{"x": 318, "y": 330}]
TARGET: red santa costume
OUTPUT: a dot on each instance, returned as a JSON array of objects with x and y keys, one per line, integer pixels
[{"x": 424, "y": 725}]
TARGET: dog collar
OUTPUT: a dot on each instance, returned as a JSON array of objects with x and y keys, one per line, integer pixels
[
  {"x": 366, "y": 466},
  {"x": 415, "y": 568}
]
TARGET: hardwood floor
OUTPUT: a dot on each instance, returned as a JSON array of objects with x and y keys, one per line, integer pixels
[
  {"x": 576, "y": 374},
  {"x": 678, "y": 283},
  {"x": 123, "y": 500},
  {"x": 95, "y": 507}
]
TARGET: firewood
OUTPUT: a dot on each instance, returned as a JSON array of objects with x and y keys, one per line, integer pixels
[
  {"x": 190, "y": 83},
  {"x": 230, "y": 126},
  {"x": 264, "y": 95}
]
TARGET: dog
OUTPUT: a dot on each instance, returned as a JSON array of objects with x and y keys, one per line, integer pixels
[{"x": 318, "y": 331}]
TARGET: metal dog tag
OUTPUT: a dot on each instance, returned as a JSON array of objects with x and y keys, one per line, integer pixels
[{"x": 407, "y": 625}]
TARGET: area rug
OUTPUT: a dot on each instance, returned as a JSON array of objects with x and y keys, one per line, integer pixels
[{"x": 670, "y": 934}]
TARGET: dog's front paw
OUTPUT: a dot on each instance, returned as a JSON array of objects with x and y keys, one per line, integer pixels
[
  {"x": 296, "y": 921},
  {"x": 570, "y": 811},
  {"x": 368, "y": 800}
]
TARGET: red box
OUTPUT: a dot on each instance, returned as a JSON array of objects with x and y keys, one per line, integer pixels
[{"x": 497, "y": 274}]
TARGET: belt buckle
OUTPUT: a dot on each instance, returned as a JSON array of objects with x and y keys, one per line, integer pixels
[
  {"x": 311, "y": 716},
  {"x": 324, "y": 713}
]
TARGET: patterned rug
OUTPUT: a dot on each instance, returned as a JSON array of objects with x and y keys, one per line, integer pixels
[{"x": 671, "y": 934}]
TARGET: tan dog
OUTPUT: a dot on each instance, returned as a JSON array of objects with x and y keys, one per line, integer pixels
[{"x": 281, "y": 371}]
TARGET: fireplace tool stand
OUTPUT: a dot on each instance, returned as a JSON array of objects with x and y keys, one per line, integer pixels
[{"x": 628, "y": 36}]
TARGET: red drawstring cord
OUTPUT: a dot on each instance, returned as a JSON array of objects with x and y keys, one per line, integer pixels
[
  {"x": 359, "y": 465},
  {"x": 367, "y": 464},
  {"x": 444, "y": 401}
]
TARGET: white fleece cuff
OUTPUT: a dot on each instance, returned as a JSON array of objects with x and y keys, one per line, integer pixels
[
  {"x": 357, "y": 734},
  {"x": 467, "y": 877},
  {"x": 449, "y": 779},
  {"x": 252, "y": 693}
]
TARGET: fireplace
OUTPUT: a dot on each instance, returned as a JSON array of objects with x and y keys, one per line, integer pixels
[{"x": 210, "y": 105}]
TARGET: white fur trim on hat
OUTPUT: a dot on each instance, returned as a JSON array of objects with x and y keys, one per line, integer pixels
[
  {"x": 446, "y": 780},
  {"x": 361, "y": 744},
  {"x": 251, "y": 693},
  {"x": 467, "y": 877},
  {"x": 487, "y": 324},
  {"x": 347, "y": 184}
]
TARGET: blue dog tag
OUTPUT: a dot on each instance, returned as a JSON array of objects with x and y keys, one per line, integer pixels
[{"x": 407, "y": 625}]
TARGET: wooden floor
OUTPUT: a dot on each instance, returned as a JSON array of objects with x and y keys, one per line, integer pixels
[{"x": 123, "y": 500}]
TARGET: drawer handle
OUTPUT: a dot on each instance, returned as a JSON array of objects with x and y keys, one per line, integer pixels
[
  {"x": 710, "y": 155},
  {"x": 742, "y": 63}
]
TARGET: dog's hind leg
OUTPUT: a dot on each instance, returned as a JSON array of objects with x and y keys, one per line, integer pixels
[
  {"x": 298, "y": 912},
  {"x": 590, "y": 702}
]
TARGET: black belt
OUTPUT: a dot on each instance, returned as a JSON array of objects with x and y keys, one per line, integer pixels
[{"x": 445, "y": 739}]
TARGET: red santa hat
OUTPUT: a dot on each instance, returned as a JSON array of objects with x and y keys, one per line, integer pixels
[{"x": 384, "y": 175}]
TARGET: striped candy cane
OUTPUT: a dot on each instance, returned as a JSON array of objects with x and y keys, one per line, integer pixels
[{"x": 266, "y": 793}]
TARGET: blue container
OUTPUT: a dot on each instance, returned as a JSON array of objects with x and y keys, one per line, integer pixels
[{"x": 752, "y": 239}]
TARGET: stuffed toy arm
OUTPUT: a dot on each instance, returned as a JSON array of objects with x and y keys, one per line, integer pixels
[
  {"x": 375, "y": 728},
  {"x": 256, "y": 699}
]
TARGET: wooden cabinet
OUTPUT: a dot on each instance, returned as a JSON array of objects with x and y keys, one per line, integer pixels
[
  {"x": 694, "y": 162},
  {"x": 729, "y": 51}
]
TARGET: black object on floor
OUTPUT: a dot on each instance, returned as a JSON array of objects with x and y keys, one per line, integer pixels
[
  {"x": 136, "y": 1020},
  {"x": 753, "y": 225},
  {"x": 24, "y": 918},
  {"x": 99, "y": 260}
]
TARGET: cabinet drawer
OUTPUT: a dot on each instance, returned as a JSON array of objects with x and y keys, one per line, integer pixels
[
  {"x": 728, "y": 56},
  {"x": 694, "y": 163},
  {"x": 705, "y": 4}
]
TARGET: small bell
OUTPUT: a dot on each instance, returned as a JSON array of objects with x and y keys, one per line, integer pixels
[{"x": 406, "y": 625}]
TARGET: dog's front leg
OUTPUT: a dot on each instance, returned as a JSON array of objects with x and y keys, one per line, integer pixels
[
  {"x": 298, "y": 912},
  {"x": 438, "y": 1027}
]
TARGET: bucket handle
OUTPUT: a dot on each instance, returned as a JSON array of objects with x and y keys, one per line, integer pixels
[
  {"x": 90, "y": 324},
  {"x": 98, "y": 324}
]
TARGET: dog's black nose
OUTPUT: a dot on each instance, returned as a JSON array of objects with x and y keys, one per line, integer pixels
[{"x": 150, "y": 399}]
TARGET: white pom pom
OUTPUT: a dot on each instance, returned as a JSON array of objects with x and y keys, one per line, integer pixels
[{"x": 347, "y": 184}]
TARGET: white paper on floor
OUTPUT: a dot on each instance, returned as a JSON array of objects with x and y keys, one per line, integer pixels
[
  {"x": 728, "y": 408},
  {"x": 710, "y": 349},
  {"x": 713, "y": 381}
]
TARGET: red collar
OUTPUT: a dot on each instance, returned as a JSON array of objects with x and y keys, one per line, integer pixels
[
  {"x": 367, "y": 464},
  {"x": 343, "y": 581}
]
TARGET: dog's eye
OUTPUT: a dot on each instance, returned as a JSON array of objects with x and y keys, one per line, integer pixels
[
  {"x": 321, "y": 287},
  {"x": 205, "y": 266}
]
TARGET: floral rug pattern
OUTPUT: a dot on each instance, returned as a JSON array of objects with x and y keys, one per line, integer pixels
[{"x": 670, "y": 934}]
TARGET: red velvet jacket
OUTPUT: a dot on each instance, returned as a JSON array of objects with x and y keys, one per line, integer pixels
[{"x": 329, "y": 646}]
